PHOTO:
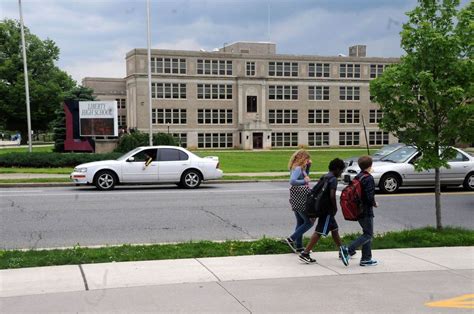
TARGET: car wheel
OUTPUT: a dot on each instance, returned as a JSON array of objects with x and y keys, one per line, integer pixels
[
  {"x": 389, "y": 183},
  {"x": 105, "y": 180},
  {"x": 191, "y": 179},
  {"x": 469, "y": 182}
]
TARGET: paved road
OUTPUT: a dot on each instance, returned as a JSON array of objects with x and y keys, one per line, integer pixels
[{"x": 66, "y": 216}]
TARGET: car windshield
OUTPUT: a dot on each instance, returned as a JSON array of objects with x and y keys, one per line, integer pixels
[
  {"x": 400, "y": 155},
  {"x": 125, "y": 156},
  {"x": 387, "y": 149}
]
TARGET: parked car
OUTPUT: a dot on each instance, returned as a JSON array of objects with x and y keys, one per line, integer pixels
[
  {"x": 169, "y": 164},
  {"x": 397, "y": 169},
  {"x": 383, "y": 151}
]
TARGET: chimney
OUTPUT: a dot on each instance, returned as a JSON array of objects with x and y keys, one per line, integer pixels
[{"x": 357, "y": 51}]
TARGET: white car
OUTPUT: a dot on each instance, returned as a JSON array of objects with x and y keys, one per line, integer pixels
[
  {"x": 397, "y": 169},
  {"x": 169, "y": 164}
]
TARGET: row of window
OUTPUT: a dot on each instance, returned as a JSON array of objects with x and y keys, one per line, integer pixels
[
  {"x": 215, "y": 140},
  {"x": 168, "y": 90},
  {"x": 214, "y": 116},
  {"x": 275, "y": 68},
  {"x": 214, "y": 91}
]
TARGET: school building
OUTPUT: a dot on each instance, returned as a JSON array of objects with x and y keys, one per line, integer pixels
[{"x": 247, "y": 96}]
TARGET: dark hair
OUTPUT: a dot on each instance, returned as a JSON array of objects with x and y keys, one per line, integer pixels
[
  {"x": 336, "y": 164},
  {"x": 365, "y": 162}
]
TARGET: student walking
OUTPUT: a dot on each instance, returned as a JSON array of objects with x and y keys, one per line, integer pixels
[
  {"x": 299, "y": 165},
  {"x": 366, "y": 219},
  {"x": 326, "y": 221}
]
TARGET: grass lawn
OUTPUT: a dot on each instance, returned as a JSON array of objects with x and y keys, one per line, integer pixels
[
  {"x": 425, "y": 237},
  {"x": 25, "y": 149},
  {"x": 36, "y": 170}
]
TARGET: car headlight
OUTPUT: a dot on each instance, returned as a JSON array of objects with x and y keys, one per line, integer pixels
[{"x": 80, "y": 169}]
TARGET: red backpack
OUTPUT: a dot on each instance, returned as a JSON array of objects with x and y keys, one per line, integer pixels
[{"x": 351, "y": 199}]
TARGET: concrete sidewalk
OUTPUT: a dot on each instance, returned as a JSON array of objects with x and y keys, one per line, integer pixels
[{"x": 205, "y": 284}]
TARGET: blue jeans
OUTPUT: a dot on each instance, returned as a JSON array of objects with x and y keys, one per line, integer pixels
[
  {"x": 365, "y": 240},
  {"x": 303, "y": 224}
]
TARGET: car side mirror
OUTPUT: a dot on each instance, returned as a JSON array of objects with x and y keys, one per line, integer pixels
[{"x": 131, "y": 159}]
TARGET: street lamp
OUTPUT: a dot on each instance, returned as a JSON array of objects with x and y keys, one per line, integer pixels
[{"x": 168, "y": 125}]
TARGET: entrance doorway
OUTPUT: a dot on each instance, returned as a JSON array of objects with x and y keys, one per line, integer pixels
[{"x": 257, "y": 140}]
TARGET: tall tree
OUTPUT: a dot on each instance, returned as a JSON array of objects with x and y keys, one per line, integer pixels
[
  {"x": 46, "y": 81},
  {"x": 427, "y": 97}
]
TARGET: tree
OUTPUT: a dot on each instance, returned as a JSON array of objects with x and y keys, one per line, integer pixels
[
  {"x": 46, "y": 81},
  {"x": 78, "y": 93},
  {"x": 427, "y": 97}
]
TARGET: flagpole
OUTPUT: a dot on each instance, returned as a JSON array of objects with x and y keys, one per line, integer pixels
[
  {"x": 365, "y": 133},
  {"x": 149, "y": 73},
  {"x": 25, "y": 69}
]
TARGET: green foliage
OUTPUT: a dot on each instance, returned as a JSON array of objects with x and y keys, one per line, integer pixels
[
  {"x": 46, "y": 81},
  {"x": 49, "y": 160},
  {"x": 136, "y": 139}
]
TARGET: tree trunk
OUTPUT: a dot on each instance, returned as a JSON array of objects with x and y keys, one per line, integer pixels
[{"x": 439, "y": 225}]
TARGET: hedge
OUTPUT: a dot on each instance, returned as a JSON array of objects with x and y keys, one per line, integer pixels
[
  {"x": 136, "y": 139},
  {"x": 51, "y": 160}
]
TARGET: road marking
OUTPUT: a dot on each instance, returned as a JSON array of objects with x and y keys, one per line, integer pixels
[
  {"x": 425, "y": 194},
  {"x": 465, "y": 301}
]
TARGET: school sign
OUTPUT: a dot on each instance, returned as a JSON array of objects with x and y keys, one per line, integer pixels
[{"x": 98, "y": 118}]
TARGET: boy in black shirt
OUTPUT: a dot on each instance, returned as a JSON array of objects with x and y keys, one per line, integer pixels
[{"x": 326, "y": 222}]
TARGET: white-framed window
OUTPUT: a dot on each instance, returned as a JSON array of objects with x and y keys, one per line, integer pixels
[
  {"x": 376, "y": 70},
  {"x": 168, "y": 116},
  {"x": 181, "y": 139},
  {"x": 283, "y": 116},
  {"x": 284, "y": 139},
  {"x": 168, "y": 90},
  {"x": 121, "y": 103},
  {"x": 215, "y": 140},
  {"x": 349, "y": 93},
  {"x": 162, "y": 65},
  {"x": 250, "y": 68},
  {"x": 318, "y": 139},
  {"x": 214, "y": 116},
  {"x": 283, "y": 92},
  {"x": 318, "y": 70},
  {"x": 214, "y": 91},
  {"x": 349, "y": 70},
  {"x": 276, "y": 68},
  {"x": 375, "y": 115},
  {"x": 378, "y": 138},
  {"x": 122, "y": 120},
  {"x": 349, "y": 116},
  {"x": 214, "y": 67},
  {"x": 318, "y": 92},
  {"x": 349, "y": 138},
  {"x": 318, "y": 116}
]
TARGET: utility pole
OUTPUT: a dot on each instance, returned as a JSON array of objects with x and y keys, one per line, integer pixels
[
  {"x": 365, "y": 133},
  {"x": 149, "y": 72},
  {"x": 25, "y": 69}
]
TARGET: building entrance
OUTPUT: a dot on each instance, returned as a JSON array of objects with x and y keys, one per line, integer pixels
[{"x": 257, "y": 140}]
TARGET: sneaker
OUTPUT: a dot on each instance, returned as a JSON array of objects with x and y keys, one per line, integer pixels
[
  {"x": 371, "y": 262},
  {"x": 305, "y": 257},
  {"x": 351, "y": 254},
  {"x": 291, "y": 244},
  {"x": 344, "y": 253},
  {"x": 300, "y": 250}
]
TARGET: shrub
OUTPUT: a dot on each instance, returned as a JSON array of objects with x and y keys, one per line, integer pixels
[
  {"x": 136, "y": 139},
  {"x": 50, "y": 160}
]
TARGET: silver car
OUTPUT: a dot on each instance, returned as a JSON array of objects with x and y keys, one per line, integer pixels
[
  {"x": 377, "y": 155},
  {"x": 397, "y": 169}
]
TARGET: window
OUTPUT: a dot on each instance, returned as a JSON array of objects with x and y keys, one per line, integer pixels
[
  {"x": 168, "y": 90},
  {"x": 181, "y": 139},
  {"x": 318, "y": 139},
  {"x": 376, "y": 70},
  {"x": 215, "y": 140},
  {"x": 282, "y": 92},
  {"x": 171, "y": 116},
  {"x": 349, "y": 70},
  {"x": 250, "y": 68},
  {"x": 214, "y": 116},
  {"x": 378, "y": 138},
  {"x": 122, "y": 120},
  {"x": 375, "y": 115},
  {"x": 284, "y": 139},
  {"x": 121, "y": 103},
  {"x": 168, "y": 65},
  {"x": 318, "y": 70},
  {"x": 170, "y": 154},
  {"x": 349, "y": 93},
  {"x": 318, "y": 92},
  {"x": 214, "y": 67},
  {"x": 251, "y": 103},
  {"x": 349, "y": 116},
  {"x": 283, "y": 69},
  {"x": 348, "y": 138},
  {"x": 145, "y": 154},
  {"x": 214, "y": 91},
  {"x": 459, "y": 157},
  {"x": 318, "y": 116},
  {"x": 281, "y": 116}
]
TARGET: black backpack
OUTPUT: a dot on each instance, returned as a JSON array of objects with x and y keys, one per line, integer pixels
[{"x": 315, "y": 199}]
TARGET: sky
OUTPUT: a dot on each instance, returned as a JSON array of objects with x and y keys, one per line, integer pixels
[{"x": 94, "y": 35}]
